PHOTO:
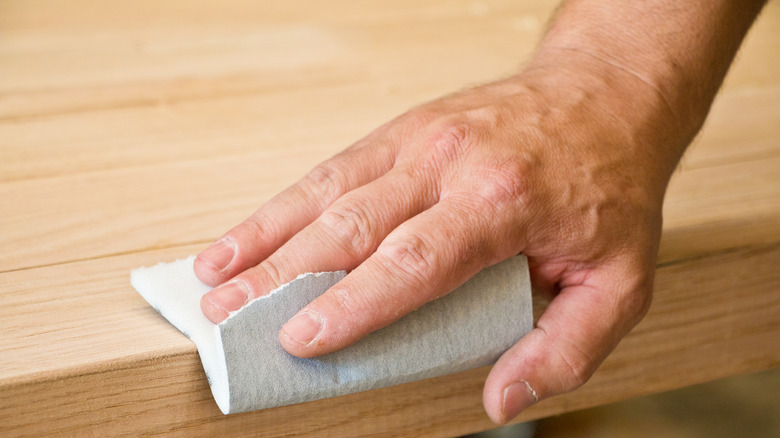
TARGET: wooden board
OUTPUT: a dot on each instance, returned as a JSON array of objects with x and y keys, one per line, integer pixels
[{"x": 137, "y": 132}]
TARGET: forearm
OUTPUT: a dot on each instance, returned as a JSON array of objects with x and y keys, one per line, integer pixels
[{"x": 665, "y": 59}]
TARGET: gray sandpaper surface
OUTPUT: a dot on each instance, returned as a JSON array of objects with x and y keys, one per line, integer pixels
[{"x": 248, "y": 369}]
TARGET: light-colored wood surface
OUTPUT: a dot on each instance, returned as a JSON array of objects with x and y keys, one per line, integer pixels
[{"x": 135, "y": 132}]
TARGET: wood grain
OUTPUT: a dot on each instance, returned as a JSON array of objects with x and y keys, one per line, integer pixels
[
  {"x": 151, "y": 381},
  {"x": 135, "y": 132}
]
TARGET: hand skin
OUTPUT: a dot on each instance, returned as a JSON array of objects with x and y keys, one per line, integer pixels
[{"x": 566, "y": 162}]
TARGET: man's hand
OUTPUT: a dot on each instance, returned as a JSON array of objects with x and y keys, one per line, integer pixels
[
  {"x": 426, "y": 201},
  {"x": 567, "y": 163}
]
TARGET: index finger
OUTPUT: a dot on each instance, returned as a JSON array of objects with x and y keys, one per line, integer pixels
[{"x": 257, "y": 237}]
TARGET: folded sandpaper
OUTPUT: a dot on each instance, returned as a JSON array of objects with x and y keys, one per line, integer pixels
[{"x": 248, "y": 369}]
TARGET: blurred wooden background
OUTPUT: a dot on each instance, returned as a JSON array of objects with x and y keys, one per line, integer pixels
[{"x": 135, "y": 132}]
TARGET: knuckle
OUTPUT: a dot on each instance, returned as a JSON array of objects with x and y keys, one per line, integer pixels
[
  {"x": 637, "y": 304},
  {"x": 636, "y": 301},
  {"x": 326, "y": 180},
  {"x": 412, "y": 256},
  {"x": 452, "y": 139},
  {"x": 269, "y": 275},
  {"x": 573, "y": 367},
  {"x": 350, "y": 224},
  {"x": 415, "y": 182},
  {"x": 578, "y": 366},
  {"x": 261, "y": 228},
  {"x": 506, "y": 182},
  {"x": 362, "y": 311}
]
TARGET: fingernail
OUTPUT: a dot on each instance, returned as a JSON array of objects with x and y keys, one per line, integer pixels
[
  {"x": 517, "y": 397},
  {"x": 219, "y": 254},
  {"x": 303, "y": 327},
  {"x": 230, "y": 296}
]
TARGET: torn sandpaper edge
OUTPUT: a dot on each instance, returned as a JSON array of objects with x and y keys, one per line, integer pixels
[{"x": 248, "y": 370}]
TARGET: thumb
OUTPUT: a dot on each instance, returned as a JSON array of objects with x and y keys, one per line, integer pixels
[{"x": 580, "y": 327}]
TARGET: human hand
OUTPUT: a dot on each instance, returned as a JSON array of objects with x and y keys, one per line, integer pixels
[
  {"x": 567, "y": 162},
  {"x": 548, "y": 163}
]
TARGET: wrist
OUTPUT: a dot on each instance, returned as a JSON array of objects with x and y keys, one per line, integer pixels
[
  {"x": 660, "y": 64},
  {"x": 626, "y": 106}
]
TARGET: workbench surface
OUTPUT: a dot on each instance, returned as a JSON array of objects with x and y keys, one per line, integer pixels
[{"x": 137, "y": 132}]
